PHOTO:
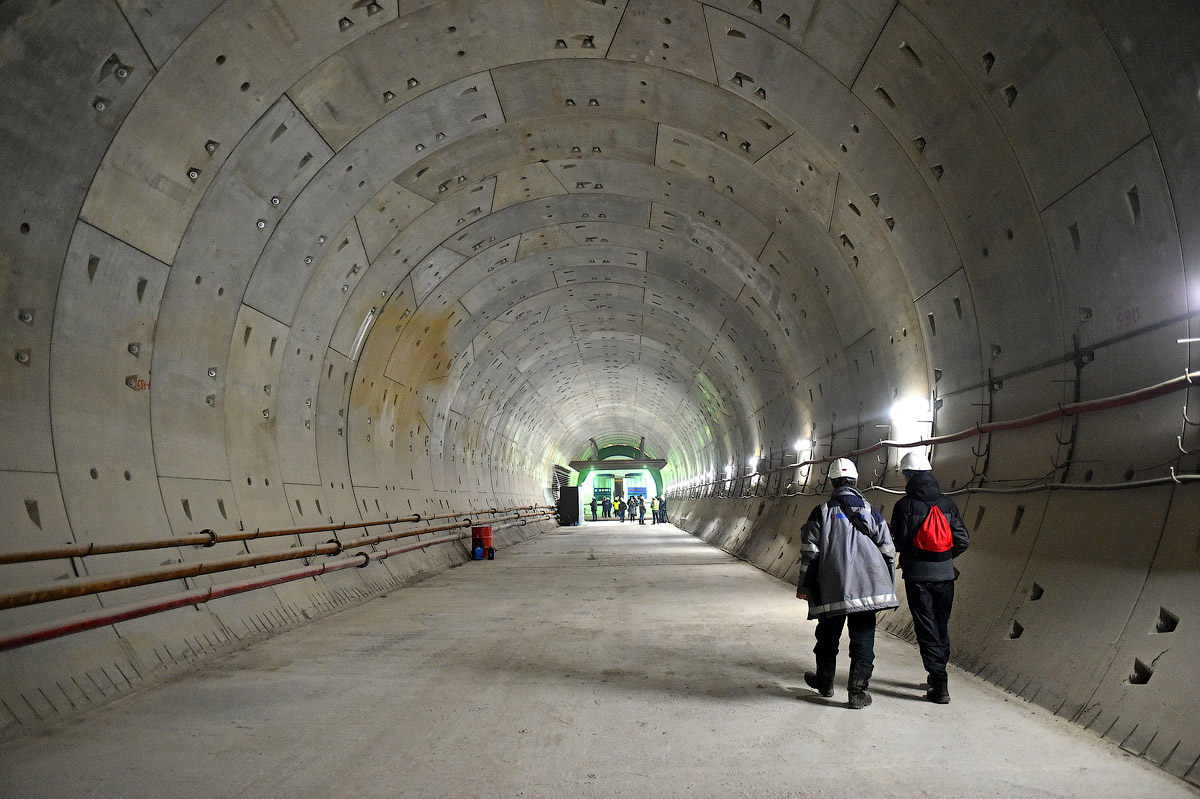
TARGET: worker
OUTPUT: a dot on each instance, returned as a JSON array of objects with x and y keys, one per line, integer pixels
[
  {"x": 929, "y": 534},
  {"x": 847, "y": 575}
]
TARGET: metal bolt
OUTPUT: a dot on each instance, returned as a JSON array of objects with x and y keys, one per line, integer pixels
[
  {"x": 266, "y": 413},
  {"x": 131, "y": 381},
  {"x": 262, "y": 223},
  {"x": 308, "y": 402},
  {"x": 420, "y": 147},
  {"x": 100, "y": 105},
  {"x": 134, "y": 349},
  {"x": 388, "y": 96},
  {"x": 25, "y": 315},
  {"x": 267, "y": 390},
  {"x": 320, "y": 239},
  {"x": 274, "y": 201},
  {"x": 122, "y": 73},
  {"x": 345, "y": 288},
  {"x": 22, "y": 357},
  {"x": 374, "y": 8},
  {"x": 440, "y": 136},
  {"x": 211, "y": 400},
  {"x": 306, "y": 424},
  {"x": 344, "y": 23},
  {"x": 308, "y": 259},
  {"x": 212, "y": 372},
  {"x": 211, "y": 146},
  {"x": 193, "y": 174}
]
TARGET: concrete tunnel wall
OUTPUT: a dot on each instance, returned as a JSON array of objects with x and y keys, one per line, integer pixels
[{"x": 269, "y": 264}]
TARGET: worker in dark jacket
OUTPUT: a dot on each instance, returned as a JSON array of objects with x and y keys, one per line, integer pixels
[
  {"x": 847, "y": 574},
  {"x": 928, "y": 568}
]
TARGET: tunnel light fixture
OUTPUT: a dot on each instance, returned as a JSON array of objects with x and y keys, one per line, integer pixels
[
  {"x": 752, "y": 461},
  {"x": 1186, "y": 340},
  {"x": 910, "y": 410},
  {"x": 803, "y": 445}
]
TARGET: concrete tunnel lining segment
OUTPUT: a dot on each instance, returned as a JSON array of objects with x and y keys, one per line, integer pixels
[{"x": 225, "y": 235}]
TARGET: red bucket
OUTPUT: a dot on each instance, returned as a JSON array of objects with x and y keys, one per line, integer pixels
[{"x": 481, "y": 538}]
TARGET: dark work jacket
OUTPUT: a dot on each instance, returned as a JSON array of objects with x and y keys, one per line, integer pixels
[{"x": 922, "y": 493}]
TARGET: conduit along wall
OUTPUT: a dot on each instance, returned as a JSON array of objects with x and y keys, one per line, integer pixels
[
  {"x": 274, "y": 264},
  {"x": 1073, "y": 595}
]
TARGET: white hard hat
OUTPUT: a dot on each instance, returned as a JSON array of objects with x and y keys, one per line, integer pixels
[
  {"x": 843, "y": 467},
  {"x": 915, "y": 462}
]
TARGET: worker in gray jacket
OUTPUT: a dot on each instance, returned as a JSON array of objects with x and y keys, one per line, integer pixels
[{"x": 847, "y": 574}]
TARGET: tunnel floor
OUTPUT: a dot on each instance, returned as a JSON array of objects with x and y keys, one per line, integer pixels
[{"x": 604, "y": 660}]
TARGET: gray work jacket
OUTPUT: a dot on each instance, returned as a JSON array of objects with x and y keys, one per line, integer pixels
[{"x": 855, "y": 570}]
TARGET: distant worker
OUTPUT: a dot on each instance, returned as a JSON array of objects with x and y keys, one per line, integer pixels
[
  {"x": 654, "y": 511},
  {"x": 620, "y": 507},
  {"x": 847, "y": 574},
  {"x": 662, "y": 510},
  {"x": 929, "y": 534},
  {"x": 641, "y": 510},
  {"x": 593, "y": 504},
  {"x": 607, "y": 508}
]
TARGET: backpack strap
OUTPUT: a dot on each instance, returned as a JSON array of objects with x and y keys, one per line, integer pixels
[{"x": 855, "y": 519}]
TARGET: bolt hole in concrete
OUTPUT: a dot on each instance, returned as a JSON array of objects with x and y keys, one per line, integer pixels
[
  {"x": 1167, "y": 621},
  {"x": 1141, "y": 673}
]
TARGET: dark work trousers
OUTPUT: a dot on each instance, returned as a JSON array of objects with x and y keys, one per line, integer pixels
[
  {"x": 929, "y": 604},
  {"x": 862, "y": 636}
]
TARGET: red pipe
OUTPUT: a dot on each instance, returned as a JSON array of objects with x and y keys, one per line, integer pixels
[
  {"x": 207, "y": 538},
  {"x": 1074, "y": 409},
  {"x": 84, "y": 586},
  {"x": 100, "y": 618}
]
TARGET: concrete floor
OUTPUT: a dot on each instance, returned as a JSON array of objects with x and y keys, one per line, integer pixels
[{"x": 597, "y": 661}]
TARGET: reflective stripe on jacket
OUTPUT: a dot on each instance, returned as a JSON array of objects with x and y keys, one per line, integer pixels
[{"x": 855, "y": 570}]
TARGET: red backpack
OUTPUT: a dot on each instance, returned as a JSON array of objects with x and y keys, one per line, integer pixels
[{"x": 934, "y": 533}]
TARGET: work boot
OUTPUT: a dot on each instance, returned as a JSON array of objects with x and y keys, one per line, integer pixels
[
  {"x": 821, "y": 680},
  {"x": 939, "y": 690},
  {"x": 856, "y": 686}
]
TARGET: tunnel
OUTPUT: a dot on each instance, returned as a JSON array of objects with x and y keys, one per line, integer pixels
[{"x": 741, "y": 237}]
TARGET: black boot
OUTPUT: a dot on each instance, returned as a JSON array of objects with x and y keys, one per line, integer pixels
[
  {"x": 939, "y": 689},
  {"x": 821, "y": 680},
  {"x": 856, "y": 686}
]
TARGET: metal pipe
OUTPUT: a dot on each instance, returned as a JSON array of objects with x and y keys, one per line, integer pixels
[
  {"x": 1184, "y": 381},
  {"x": 67, "y": 589},
  {"x": 100, "y": 618},
  {"x": 208, "y": 538}
]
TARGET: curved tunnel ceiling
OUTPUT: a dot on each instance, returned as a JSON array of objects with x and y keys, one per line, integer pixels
[
  {"x": 265, "y": 264},
  {"x": 437, "y": 235}
]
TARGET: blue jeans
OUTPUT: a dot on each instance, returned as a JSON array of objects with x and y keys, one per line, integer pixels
[{"x": 862, "y": 636}]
